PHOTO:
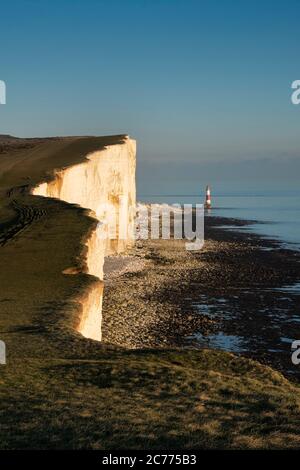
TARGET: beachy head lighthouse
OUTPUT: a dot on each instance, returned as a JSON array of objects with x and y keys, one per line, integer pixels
[{"x": 207, "y": 204}]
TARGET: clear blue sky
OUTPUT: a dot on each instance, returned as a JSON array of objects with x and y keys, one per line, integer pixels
[{"x": 191, "y": 80}]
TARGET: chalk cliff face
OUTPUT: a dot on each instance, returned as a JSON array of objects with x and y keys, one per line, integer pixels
[{"x": 105, "y": 184}]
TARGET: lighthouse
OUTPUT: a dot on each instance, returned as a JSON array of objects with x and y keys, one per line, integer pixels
[{"x": 207, "y": 204}]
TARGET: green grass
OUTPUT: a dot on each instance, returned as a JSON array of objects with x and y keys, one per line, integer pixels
[{"x": 148, "y": 399}]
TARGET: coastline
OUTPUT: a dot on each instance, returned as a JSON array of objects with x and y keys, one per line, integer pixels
[
  {"x": 227, "y": 296},
  {"x": 162, "y": 397}
]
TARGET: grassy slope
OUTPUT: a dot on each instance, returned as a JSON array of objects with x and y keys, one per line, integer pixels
[
  {"x": 60, "y": 390},
  {"x": 148, "y": 400}
]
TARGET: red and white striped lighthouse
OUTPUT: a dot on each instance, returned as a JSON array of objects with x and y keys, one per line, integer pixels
[{"x": 207, "y": 204}]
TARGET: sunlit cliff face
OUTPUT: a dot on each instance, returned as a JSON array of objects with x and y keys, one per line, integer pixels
[
  {"x": 105, "y": 184},
  {"x": 90, "y": 323}
]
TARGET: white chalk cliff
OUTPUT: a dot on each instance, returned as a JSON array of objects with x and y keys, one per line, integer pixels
[{"x": 105, "y": 184}]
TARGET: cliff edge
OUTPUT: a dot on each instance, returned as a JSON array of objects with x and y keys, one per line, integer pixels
[{"x": 52, "y": 247}]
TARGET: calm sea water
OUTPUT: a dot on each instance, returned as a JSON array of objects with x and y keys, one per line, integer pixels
[{"x": 277, "y": 215}]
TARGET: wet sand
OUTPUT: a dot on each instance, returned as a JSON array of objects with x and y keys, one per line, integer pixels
[{"x": 231, "y": 295}]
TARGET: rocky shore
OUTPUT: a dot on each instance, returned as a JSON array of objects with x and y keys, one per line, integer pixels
[{"x": 226, "y": 296}]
